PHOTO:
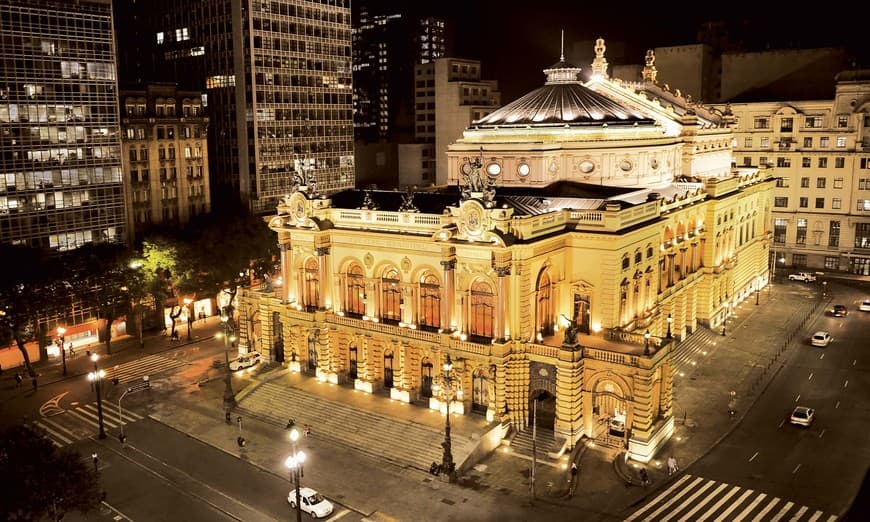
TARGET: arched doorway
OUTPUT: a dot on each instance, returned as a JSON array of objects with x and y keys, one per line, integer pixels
[
  {"x": 480, "y": 391},
  {"x": 426, "y": 379},
  {"x": 312, "y": 353},
  {"x": 352, "y": 364},
  {"x": 278, "y": 338},
  {"x": 388, "y": 369},
  {"x": 610, "y": 410},
  {"x": 542, "y": 409}
]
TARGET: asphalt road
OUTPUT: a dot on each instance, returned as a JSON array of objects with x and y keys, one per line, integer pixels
[{"x": 822, "y": 466}]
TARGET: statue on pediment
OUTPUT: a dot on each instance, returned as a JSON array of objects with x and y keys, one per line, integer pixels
[
  {"x": 368, "y": 202},
  {"x": 475, "y": 185},
  {"x": 408, "y": 202}
]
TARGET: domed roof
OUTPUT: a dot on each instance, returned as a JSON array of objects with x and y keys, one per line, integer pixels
[{"x": 563, "y": 100}]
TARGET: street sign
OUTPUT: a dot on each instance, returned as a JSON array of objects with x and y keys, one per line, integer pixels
[{"x": 139, "y": 387}]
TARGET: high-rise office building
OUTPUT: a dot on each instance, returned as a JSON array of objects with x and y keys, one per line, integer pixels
[
  {"x": 60, "y": 164},
  {"x": 277, "y": 78}
]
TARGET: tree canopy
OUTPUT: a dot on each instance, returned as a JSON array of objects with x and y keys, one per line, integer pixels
[{"x": 41, "y": 480}]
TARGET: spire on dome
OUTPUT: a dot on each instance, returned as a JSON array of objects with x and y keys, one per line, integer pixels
[
  {"x": 562, "y": 71},
  {"x": 599, "y": 64},
  {"x": 562, "y": 53},
  {"x": 649, "y": 69}
]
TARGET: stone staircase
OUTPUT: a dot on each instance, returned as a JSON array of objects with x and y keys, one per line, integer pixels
[
  {"x": 545, "y": 441},
  {"x": 379, "y": 436}
]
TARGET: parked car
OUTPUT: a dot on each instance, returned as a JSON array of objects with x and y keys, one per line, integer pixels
[
  {"x": 617, "y": 425},
  {"x": 312, "y": 502},
  {"x": 865, "y": 305},
  {"x": 806, "y": 277},
  {"x": 802, "y": 416},
  {"x": 245, "y": 361},
  {"x": 821, "y": 339},
  {"x": 839, "y": 311}
]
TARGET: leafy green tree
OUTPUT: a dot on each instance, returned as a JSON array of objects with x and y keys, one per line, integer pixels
[
  {"x": 32, "y": 288},
  {"x": 41, "y": 480},
  {"x": 109, "y": 282}
]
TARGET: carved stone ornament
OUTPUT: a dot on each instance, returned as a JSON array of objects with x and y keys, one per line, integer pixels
[
  {"x": 369, "y": 259},
  {"x": 406, "y": 264},
  {"x": 369, "y": 203},
  {"x": 297, "y": 205},
  {"x": 408, "y": 203},
  {"x": 474, "y": 185}
]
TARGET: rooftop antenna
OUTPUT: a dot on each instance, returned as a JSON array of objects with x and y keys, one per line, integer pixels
[{"x": 562, "y": 55}]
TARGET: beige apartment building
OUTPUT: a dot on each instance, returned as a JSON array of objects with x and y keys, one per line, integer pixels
[
  {"x": 820, "y": 151},
  {"x": 579, "y": 230},
  {"x": 165, "y": 156}
]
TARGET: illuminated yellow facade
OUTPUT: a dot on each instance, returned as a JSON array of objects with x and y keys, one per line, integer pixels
[{"x": 574, "y": 250}]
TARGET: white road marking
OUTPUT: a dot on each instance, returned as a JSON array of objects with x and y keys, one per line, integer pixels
[
  {"x": 676, "y": 497},
  {"x": 810, "y": 377},
  {"x": 760, "y": 516},
  {"x": 817, "y": 515},
  {"x": 821, "y": 434},
  {"x": 795, "y": 470},
  {"x": 838, "y": 405},
  {"x": 717, "y": 505},
  {"x": 797, "y": 516},
  {"x": 782, "y": 512},
  {"x": 701, "y": 504},
  {"x": 846, "y": 384},
  {"x": 664, "y": 494},
  {"x": 753, "y": 457},
  {"x": 822, "y": 356},
  {"x": 854, "y": 362},
  {"x": 725, "y": 514},
  {"x": 743, "y": 514},
  {"x": 797, "y": 398},
  {"x": 340, "y": 514},
  {"x": 781, "y": 423}
]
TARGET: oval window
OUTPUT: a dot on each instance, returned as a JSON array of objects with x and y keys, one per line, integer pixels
[
  {"x": 493, "y": 169},
  {"x": 654, "y": 163},
  {"x": 523, "y": 169},
  {"x": 587, "y": 166},
  {"x": 625, "y": 165}
]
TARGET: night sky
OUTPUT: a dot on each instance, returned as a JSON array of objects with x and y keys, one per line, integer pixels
[{"x": 514, "y": 40}]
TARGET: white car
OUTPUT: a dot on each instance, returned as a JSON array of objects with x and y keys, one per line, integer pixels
[
  {"x": 806, "y": 277},
  {"x": 821, "y": 339},
  {"x": 312, "y": 502},
  {"x": 245, "y": 361},
  {"x": 865, "y": 305},
  {"x": 802, "y": 416}
]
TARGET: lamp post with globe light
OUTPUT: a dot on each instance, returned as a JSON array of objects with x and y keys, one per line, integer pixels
[
  {"x": 96, "y": 377},
  {"x": 60, "y": 339},
  {"x": 646, "y": 337},
  {"x": 670, "y": 320},
  {"x": 229, "y": 339},
  {"x": 294, "y": 463},
  {"x": 448, "y": 467}
]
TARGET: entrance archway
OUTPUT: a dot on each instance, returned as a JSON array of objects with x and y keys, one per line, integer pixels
[
  {"x": 312, "y": 354},
  {"x": 352, "y": 369},
  {"x": 542, "y": 409},
  {"x": 426, "y": 378}
]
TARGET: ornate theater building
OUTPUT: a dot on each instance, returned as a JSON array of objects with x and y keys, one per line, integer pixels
[{"x": 587, "y": 228}]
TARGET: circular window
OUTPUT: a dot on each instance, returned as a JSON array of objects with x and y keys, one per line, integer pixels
[
  {"x": 553, "y": 168},
  {"x": 654, "y": 163},
  {"x": 493, "y": 169},
  {"x": 625, "y": 165},
  {"x": 523, "y": 169},
  {"x": 587, "y": 166}
]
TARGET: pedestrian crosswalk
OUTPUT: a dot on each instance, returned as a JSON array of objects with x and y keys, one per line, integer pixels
[
  {"x": 135, "y": 370},
  {"x": 66, "y": 426},
  {"x": 693, "y": 498}
]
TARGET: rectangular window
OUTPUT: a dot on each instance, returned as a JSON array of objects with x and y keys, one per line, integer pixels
[
  {"x": 839, "y": 162},
  {"x": 747, "y": 161},
  {"x": 862, "y": 235},
  {"x": 820, "y": 202},
  {"x": 836, "y": 203},
  {"x": 842, "y": 121},
  {"x": 747, "y": 143},
  {"x": 863, "y": 204},
  {"x": 832, "y": 263},
  {"x": 780, "y": 226},
  {"x": 824, "y": 142},
  {"x": 813, "y": 122},
  {"x": 804, "y": 202},
  {"x": 799, "y": 260},
  {"x": 783, "y": 162},
  {"x": 801, "y": 238},
  {"x": 132, "y": 154},
  {"x": 762, "y": 161},
  {"x": 780, "y": 202},
  {"x": 805, "y": 182},
  {"x": 782, "y": 182},
  {"x": 806, "y": 163},
  {"x": 786, "y": 125},
  {"x": 820, "y": 182},
  {"x": 761, "y": 123},
  {"x": 823, "y": 163},
  {"x": 841, "y": 142},
  {"x": 865, "y": 163},
  {"x": 808, "y": 143},
  {"x": 834, "y": 234},
  {"x": 765, "y": 143}
]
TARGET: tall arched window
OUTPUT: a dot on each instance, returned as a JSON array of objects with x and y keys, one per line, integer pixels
[
  {"x": 391, "y": 296},
  {"x": 426, "y": 378},
  {"x": 482, "y": 307},
  {"x": 388, "y": 369},
  {"x": 544, "y": 305},
  {"x": 352, "y": 362},
  {"x": 354, "y": 298},
  {"x": 311, "y": 274},
  {"x": 430, "y": 302}
]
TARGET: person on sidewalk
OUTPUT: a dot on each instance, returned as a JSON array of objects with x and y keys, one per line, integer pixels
[
  {"x": 672, "y": 465},
  {"x": 35, "y": 384},
  {"x": 18, "y": 379},
  {"x": 644, "y": 477}
]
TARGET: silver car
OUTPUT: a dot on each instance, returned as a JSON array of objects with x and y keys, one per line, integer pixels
[{"x": 802, "y": 416}]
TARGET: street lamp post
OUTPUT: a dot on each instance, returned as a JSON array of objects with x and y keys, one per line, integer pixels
[
  {"x": 447, "y": 464},
  {"x": 670, "y": 320},
  {"x": 60, "y": 331},
  {"x": 96, "y": 377},
  {"x": 646, "y": 337},
  {"x": 725, "y": 319},
  {"x": 294, "y": 464},
  {"x": 757, "y": 290},
  {"x": 187, "y": 302},
  {"x": 227, "y": 334}
]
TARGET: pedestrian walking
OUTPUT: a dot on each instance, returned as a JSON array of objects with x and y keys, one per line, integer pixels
[
  {"x": 18, "y": 380},
  {"x": 672, "y": 465},
  {"x": 35, "y": 385},
  {"x": 573, "y": 471},
  {"x": 644, "y": 477}
]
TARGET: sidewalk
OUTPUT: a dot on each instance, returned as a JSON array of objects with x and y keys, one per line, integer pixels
[{"x": 743, "y": 362}]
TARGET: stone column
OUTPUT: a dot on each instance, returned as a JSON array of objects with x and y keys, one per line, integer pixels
[
  {"x": 501, "y": 306},
  {"x": 322, "y": 274},
  {"x": 569, "y": 395},
  {"x": 448, "y": 297},
  {"x": 671, "y": 256},
  {"x": 286, "y": 271}
]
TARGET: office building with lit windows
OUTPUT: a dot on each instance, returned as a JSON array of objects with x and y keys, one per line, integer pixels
[
  {"x": 820, "y": 154},
  {"x": 581, "y": 229},
  {"x": 61, "y": 181},
  {"x": 165, "y": 153},
  {"x": 277, "y": 80}
]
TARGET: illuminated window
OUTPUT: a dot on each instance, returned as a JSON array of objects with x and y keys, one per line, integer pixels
[
  {"x": 391, "y": 296},
  {"x": 159, "y": 38},
  {"x": 430, "y": 302},
  {"x": 311, "y": 294},
  {"x": 545, "y": 305},
  {"x": 482, "y": 308},
  {"x": 355, "y": 292}
]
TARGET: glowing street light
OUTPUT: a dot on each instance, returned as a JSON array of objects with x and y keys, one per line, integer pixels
[
  {"x": 646, "y": 337},
  {"x": 294, "y": 463},
  {"x": 96, "y": 377}
]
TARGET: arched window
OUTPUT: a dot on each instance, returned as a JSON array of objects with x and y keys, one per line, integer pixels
[
  {"x": 638, "y": 257},
  {"x": 352, "y": 362},
  {"x": 426, "y": 378},
  {"x": 311, "y": 274},
  {"x": 544, "y": 305},
  {"x": 482, "y": 306},
  {"x": 355, "y": 292},
  {"x": 388, "y": 369},
  {"x": 430, "y": 302},
  {"x": 391, "y": 296},
  {"x": 625, "y": 262}
]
